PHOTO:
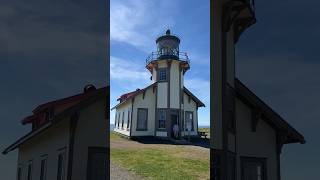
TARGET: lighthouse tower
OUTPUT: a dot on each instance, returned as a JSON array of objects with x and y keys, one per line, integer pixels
[{"x": 167, "y": 66}]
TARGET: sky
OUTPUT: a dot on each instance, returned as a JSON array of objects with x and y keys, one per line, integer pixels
[
  {"x": 134, "y": 27},
  {"x": 48, "y": 50},
  {"x": 278, "y": 58}
]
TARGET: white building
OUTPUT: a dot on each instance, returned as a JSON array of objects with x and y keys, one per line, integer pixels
[
  {"x": 247, "y": 135},
  {"x": 154, "y": 110},
  {"x": 67, "y": 140}
]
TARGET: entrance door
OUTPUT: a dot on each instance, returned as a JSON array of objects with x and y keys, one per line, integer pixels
[
  {"x": 174, "y": 121},
  {"x": 97, "y": 164},
  {"x": 253, "y": 169}
]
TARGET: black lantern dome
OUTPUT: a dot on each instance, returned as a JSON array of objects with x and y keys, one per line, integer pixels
[{"x": 168, "y": 46}]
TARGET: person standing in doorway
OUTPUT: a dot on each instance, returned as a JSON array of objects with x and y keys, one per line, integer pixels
[{"x": 175, "y": 131}]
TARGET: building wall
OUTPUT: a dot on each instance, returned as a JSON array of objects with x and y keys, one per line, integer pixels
[
  {"x": 51, "y": 142},
  {"x": 126, "y": 107},
  {"x": 162, "y": 95},
  {"x": 91, "y": 131},
  {"x": 174, "y": 85},
  {"x": 261, "y": 143},
  {"x": 148, "y": 102},
  {"x": 190, "y": 106}
]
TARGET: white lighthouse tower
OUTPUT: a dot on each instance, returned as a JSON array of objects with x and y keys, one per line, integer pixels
[
  {"x": 165, "y": 106},
  {"x": 167, "y": 67}
]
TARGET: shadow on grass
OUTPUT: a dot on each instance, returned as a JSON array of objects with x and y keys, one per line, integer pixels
[{"x": 194, "y": 141}]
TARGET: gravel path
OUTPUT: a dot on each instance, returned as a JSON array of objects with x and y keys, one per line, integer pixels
[{"x": 119, "y": 173}]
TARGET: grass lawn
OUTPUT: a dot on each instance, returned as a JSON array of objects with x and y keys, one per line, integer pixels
[{"x": 160, "y": 161}]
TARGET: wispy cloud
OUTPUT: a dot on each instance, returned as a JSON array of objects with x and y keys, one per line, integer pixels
[
  {"x": 134, "y": 22},
  {"x": 124, "y": 71}
]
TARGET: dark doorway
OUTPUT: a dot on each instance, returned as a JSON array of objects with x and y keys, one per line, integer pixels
[
  {"x": 174, "y": 117},
  {"x": 253, "y": 168}
]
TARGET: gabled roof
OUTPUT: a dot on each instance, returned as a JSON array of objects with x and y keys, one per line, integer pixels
[
  {"x": 125, "y": 97},
  {"x": 189, "y": 93},
  {"x": 269, "y": 115},
  {"x": 78, "y": 102}
]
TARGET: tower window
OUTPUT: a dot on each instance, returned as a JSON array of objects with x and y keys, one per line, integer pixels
[{"x": 162, "y": 74}]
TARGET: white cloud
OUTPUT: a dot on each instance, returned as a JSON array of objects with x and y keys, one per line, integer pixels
[
  {"x": 128, "y": 74},
  {"x": 126, "y": 70},
  {"x": 135, "y": 22}
]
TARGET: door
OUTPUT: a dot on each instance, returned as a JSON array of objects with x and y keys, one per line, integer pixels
[
  {"x": 253, "y": 168},
  {"x": 97, "y": 168},
  {"x": 174, "y": 121}
]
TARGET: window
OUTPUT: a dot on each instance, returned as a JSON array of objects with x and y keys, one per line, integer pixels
[
  {"x": 231, "y": 167},
  {"x": 29, "y": 175},
  {"x": 162, "y": 74},
  {"x": 231, "y": 109},
  {"x": 253, "y": 168},
  {"x": 19, "y": 173},
  {"x": 43, "y": 169},
  {"x": 115, "y": 120},
  {"x": 142, "y": 119},
  {"x": 61, "y": 166},
  {"x": 128, "y": 120},
  {"x": 162, "y": 119},
  {"x": 122, "y": 120},
  {"x": 118, "y": 119},
  {"x": 97, "y": 164},
  {"x": 189, "y": 121}
]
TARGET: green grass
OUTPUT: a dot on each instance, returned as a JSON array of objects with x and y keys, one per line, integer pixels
[
  {"x": 113, "y": 135},
  {"x": 207, "y": 130},
  {"x": 160, "y": 164}
]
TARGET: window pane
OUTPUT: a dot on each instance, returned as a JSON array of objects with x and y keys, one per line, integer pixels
[
  {"x": 162, "y": 74},
  {"x": 43, "y": 169},
  {"x": 142, "y": 119},
  {"x": 61, "y": 166},
  {"x": 19, "y": 173},
  {"x": 162, "y": 119},
  {"x": 29, "y": 171}
]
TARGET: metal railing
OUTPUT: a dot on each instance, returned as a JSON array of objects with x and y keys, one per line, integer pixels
[{"x": 181, "y": 56}]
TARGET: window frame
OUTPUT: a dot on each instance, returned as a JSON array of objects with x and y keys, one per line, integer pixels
[
  {"x": 165, "y": 118},
  {"x": 29, "y": 171},
  {"x": 192, "y": 120},
  {"x": 43, "y": 170},
  {"x": 166, "y": 74},
  {"x": 122, "y": 122},
  {"x": 19, "y": 172},
  {"x": 261, "y": 160},
  {"x": 146, "y": 124},
  {"x": 119, "y": 115},
  {"x": 62, "y": 175},
  {"x": 128, "y": 120}
]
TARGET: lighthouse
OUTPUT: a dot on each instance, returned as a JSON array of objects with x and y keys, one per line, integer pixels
[
  {"x": 168, "y": 66},
  {"x": 166, "y": 108}
]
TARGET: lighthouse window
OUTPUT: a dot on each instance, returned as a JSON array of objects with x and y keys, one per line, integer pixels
[{"x": 162, "y": 74}]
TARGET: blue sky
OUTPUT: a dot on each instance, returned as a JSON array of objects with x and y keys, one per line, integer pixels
[{"x": 134, "y": 26}]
